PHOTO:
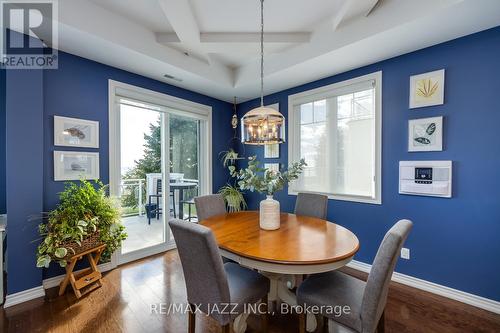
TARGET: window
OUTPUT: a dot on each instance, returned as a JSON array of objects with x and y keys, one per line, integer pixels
[{"x": 337, "y": 130}]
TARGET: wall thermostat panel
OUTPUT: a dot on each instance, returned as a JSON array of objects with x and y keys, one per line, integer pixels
[{"x": 428, "y": 178}]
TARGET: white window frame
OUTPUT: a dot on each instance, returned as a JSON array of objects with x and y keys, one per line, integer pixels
[
  {"x": 324, "y": 93},
  {"x": 168, "y": 105},
  {"x": 173, "y": 105}
]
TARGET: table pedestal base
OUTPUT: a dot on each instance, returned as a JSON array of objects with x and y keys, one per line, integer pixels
[
  {"x": 283, "y": 277},
  {"x": 278, "y": 292}
]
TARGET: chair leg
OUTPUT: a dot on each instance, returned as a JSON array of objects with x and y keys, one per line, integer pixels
[
  {"x": 226, "y": 328},
  {"x": 302, "y": 323},
  {"x": 149, "y": 212},
  {"x": 173, "y": 203},
  {"x": 265, "y": 315},
  {"x": 157, "y": 208},
  {"x": 381, "y": 323},
  {"x": 191, "y": 320}
]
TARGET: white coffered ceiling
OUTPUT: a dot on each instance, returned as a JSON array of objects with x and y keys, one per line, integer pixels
[{"x": 212, "y": 45}]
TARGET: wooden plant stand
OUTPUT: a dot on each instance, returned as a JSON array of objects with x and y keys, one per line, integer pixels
[{"x": 87, "y": 280}]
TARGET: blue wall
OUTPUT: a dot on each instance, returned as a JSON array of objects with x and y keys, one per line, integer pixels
[
  {"x": 79, "y": 88},
  {"x": 454, "y": 241},
  {"x": 24, "y": 163},
  {"x": 3, "y": 203}
]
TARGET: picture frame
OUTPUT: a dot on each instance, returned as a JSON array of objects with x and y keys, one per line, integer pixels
[
  {"x": 74, "y": 132},
  {"x": 75, "y": 165},
  {"x": 425, "y": 134},
  {"x": 427, "y": 89},
  {"x": 272, "y": 151},
  {"x": 273, "y": 167}
]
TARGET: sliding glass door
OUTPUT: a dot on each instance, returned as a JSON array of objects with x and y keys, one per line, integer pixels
[
  {"x": 156, "y": 159},
  {"x": 142, "y": 176},
  {"x": 184, "y": 168}
]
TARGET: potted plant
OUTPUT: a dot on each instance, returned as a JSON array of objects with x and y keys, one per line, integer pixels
[
  {"x": 229, "y": 157},
  {"x": 233, "y": 197},
  {"x": 255, "y": 178},
  {"x": 231, "y": 193},
  {"x": 85, "y": 217}
]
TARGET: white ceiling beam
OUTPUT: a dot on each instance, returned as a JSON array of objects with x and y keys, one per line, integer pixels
[
  {"x": 269, "y": 37},
  {"x": 375, "y": 4},
  {"x": 180, "y": 16},
  {"x": 82, "y": 23},
  {"x": 167, "y": 37},
  {"x": 325, "y": 43},
  {"x": 339, "y": 16}
]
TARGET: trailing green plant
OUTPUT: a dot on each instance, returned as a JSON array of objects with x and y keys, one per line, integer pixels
[
  {"x": 256, "y": 178},
  {"x": 233, "y": 197},
  {"x": 83, "y": 210},
  {"x": 229, "y": 157}
]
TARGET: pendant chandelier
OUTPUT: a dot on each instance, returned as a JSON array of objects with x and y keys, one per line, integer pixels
[{"x": 262, "y": 125}]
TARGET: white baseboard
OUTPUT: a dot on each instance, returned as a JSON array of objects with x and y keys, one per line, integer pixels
[
  {"x": 24, "y": 296},
  {"x": 54, "y": 281},
  {"x": 457, "y": 295}
]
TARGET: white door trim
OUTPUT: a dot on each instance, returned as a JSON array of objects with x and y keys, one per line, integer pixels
[{"x": 167, "y": 104}]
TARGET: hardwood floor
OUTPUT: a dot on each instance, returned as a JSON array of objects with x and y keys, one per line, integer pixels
[{"x": 124, "y": 302}]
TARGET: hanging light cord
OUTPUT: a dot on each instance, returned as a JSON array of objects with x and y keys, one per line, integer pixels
[{"x": 261, "y": 52}]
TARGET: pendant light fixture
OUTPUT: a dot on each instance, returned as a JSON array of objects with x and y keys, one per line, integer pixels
[{"x": 262, "y": 125}]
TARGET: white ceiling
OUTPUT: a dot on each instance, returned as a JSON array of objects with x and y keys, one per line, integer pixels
[{"x": 212, "y": 45}]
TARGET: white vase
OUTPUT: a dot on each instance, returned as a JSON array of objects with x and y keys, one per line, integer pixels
[{"x": 269, "y": 218}]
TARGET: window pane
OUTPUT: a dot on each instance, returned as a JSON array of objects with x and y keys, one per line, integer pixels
[
  {"x": 313, "y": 147},
  {"x": 320, "y": 111},
  {"x": 344, "y": 105},
  {"x": 306, "y": 113},
  {"x": 354, "y": 147},
  {"x": 337, "y": 140}
]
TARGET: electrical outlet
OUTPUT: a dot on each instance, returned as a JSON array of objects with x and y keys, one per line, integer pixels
[{"x": 405, "y": 253}]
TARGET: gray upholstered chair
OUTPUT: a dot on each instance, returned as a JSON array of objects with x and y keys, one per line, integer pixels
[
  {"x": 209, "y": 282},
  {"x": 209, "y": 205},
  {"x": 366, "y": 299},
  {"x": 310, "y": 204}
]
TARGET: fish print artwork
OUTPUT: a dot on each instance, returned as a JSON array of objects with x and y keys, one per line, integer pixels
[{"x": 76, "y": 132}]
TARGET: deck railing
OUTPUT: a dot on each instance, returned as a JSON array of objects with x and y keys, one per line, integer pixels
[{"x": 133, "y": 184}]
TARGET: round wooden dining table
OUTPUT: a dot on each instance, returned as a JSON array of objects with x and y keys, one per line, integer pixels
[{"x": 302, "y": 245}]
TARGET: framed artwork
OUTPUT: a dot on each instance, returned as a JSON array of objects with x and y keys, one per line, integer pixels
[
  {"x": 74, "y": 165},
  {"x": 73, "y": 132},
  {"x": 272, "y": 151},
  {"x": 273, "y": 167},
  {"x": 425, "y": 134},
  {"x": 427, "y": 89}
]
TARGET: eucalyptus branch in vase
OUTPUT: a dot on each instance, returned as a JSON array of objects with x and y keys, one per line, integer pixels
[{"x": 257, "y": 179}]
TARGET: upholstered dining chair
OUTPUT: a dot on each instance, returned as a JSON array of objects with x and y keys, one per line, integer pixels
[
  {"x": 366, "y": 300},
  {"x": 310, "y": 204},
  {"x": 211, "y": 284},
  {"x": 209, "y": 205}
]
